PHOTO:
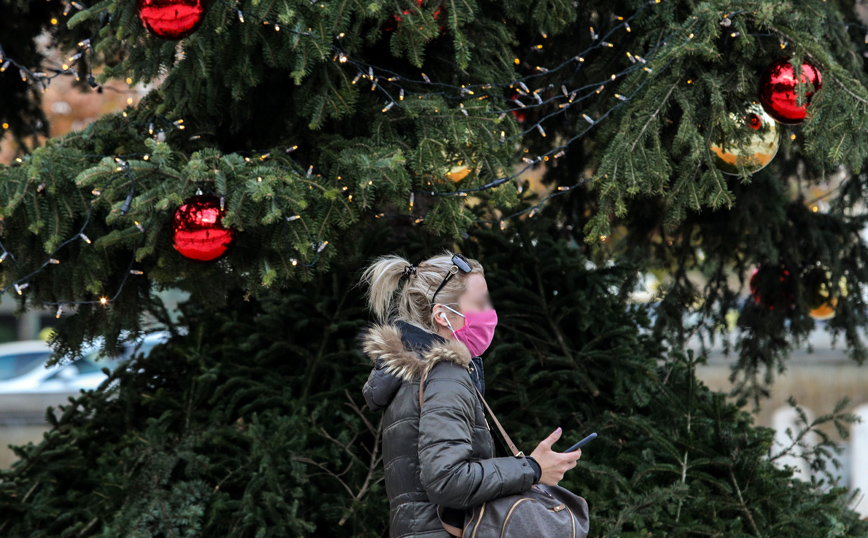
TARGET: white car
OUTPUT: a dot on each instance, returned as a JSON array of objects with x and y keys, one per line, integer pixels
[{"x": 27, "y": 387}]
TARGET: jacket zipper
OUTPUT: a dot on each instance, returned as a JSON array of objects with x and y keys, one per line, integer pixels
[{"x": 485, "y": 419}]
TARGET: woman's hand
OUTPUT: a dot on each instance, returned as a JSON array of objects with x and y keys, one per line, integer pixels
[{"x": 554, "y": 464}]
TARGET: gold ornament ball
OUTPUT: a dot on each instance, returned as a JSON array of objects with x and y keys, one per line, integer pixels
[
  {"x": 457, "y": 173},
  {"x": 757, "y": 151},
  {"x": 821, "y": 302}
]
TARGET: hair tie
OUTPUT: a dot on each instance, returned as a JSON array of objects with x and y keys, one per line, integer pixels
[{"x": 409, "y": 270}]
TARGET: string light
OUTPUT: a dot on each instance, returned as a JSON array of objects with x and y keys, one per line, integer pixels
[
  {"x": 42, "y": 78},
  {"x": 424, "y": 76},
  {"x": 22, "y": 282},
  {"x": 580, "y": 58}
]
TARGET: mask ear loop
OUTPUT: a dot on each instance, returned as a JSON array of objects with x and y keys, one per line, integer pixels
[{"x": 448, "y": 324}]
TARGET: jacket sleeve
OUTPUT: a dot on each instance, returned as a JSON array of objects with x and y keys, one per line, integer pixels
[{"x": 445, "y": 433}]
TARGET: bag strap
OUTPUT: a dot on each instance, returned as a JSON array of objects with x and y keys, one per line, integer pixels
[{"x": 516, "y": 452}]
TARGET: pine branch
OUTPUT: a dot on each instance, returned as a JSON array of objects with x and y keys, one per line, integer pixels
[{"x": 743, "y": 504}]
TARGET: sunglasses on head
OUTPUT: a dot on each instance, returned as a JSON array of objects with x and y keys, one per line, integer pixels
[{"x": 459, "y": 263}]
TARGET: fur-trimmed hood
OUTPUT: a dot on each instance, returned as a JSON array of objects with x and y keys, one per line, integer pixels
[{"x": 401, "y": 352}]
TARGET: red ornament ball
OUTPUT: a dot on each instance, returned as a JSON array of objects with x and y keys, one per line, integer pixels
[
  {"x": 197, "y": 232},
  {"x": 777, "y": 90},
  {"x": 171, "y": 19},
  {"x": 773, "y": 286}
]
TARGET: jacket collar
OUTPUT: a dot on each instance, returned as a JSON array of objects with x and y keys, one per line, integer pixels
[{"x": 406, "y": 351}]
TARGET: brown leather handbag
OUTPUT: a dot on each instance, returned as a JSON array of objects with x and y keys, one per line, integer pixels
[{"x": 549, "y": 511}]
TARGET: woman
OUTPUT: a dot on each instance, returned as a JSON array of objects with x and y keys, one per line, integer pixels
[{"x": 443, "y": 454}]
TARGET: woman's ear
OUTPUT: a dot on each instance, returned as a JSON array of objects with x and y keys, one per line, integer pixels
[{"x": 440, "y": 318}]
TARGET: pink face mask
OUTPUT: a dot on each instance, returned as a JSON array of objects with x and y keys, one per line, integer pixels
[{"x": 478, "y": 330}]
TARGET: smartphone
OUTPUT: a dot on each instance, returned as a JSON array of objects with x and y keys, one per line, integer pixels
[{"x": 582, "y": 443}]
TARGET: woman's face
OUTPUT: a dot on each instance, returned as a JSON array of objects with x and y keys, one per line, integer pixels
[{"x": 474, "y": 299}]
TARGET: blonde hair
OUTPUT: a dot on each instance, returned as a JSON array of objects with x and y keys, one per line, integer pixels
[{"x": 413, "y": 303}]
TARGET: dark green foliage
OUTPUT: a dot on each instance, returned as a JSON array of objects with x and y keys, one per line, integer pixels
[
  {"x": 244, "y": 90},
  {"x": 252, "y": 423},
  {"x": 249, "y": 422},
  {"x": 672, "y": 457}
]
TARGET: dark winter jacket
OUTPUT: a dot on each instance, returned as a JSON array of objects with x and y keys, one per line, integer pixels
[{"x": 446, "y": 457}]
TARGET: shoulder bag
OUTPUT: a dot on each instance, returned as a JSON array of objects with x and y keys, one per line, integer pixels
[{"x": 541, "y": 511}]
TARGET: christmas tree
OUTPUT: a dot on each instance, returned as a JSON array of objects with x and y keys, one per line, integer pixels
[{"x": 289, "y": 143}]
